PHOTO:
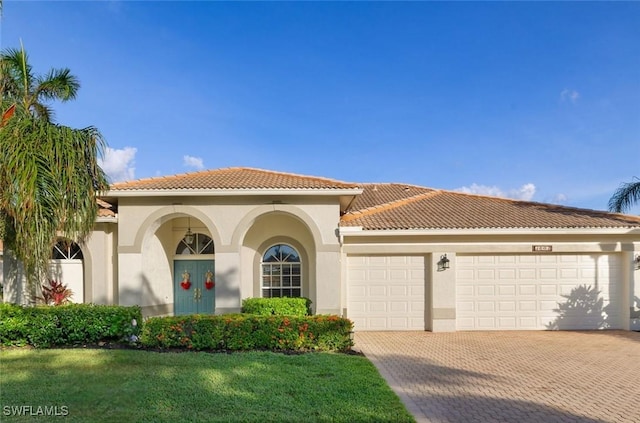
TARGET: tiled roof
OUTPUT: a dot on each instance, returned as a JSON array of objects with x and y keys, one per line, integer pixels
[
  {"x": 377, "y": 194},
  {"x": 233, "y": 178},
  {"x": 105, "y": 209},
  {"x": 437, "y": 209}
]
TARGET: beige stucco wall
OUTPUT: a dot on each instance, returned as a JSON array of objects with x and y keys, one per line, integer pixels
[{"x": 242, "y": 229}]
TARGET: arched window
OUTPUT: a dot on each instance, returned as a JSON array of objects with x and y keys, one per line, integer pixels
[
  {"x": 66, "y": 250},
  {"x": 281, "y": 272},
  {"x": 201, "y": 244}
]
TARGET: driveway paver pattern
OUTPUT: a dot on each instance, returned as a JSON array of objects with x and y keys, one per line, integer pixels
[{"x": 531, "y": 376}]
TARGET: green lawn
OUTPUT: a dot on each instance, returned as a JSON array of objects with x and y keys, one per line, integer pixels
[{"x": 95, "y": 385}]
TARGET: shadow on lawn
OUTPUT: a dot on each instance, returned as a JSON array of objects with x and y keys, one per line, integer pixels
[{"x": 240, "y": 387}]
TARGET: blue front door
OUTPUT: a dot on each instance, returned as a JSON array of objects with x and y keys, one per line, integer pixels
[{"x": 194, "y": 287}]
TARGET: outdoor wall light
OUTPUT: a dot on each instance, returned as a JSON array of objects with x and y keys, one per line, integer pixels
[
  {"x": 636, "y": 262},
  {"x": 188, "y": 236},
  {"x": 443, "y": 264}
]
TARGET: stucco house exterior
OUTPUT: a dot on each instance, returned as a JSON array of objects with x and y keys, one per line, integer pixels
[{"x": 388, "y": 256}]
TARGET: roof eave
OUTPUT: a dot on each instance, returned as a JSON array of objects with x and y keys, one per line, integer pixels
[
  {"x": 107, "y": 219},
  {"x": 232, "y": 192},
  {"x": 360, "y": 231}
]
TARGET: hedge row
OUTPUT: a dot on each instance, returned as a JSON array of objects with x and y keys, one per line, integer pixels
[
  {"x": 236, "y": 332},
  {"x": 277, "y": 306},
  {"x": 72, "y": 324}
]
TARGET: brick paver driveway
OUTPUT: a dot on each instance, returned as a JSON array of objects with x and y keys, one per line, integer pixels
[{"x": 511, "y": 376}]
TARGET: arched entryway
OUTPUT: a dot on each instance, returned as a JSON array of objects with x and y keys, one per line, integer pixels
[{"x": 194, "y": 275}]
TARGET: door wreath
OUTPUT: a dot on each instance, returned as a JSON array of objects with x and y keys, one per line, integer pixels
[
  {"x": 209, "y": 283},
  {"x": 186, "y": 283}
]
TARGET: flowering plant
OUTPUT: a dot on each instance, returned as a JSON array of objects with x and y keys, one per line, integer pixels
[{"x": 56, "y": 293}]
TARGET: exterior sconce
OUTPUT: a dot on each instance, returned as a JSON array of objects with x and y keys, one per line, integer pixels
[
  {"x": 188, "y": 236},
  {"x": 636, "y": 262},
  {"x": 443, "y": 264}
]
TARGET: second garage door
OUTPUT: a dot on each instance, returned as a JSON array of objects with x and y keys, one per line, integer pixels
[
  {"x": 386, "y": 292},
  {"x": 560, "y": 291}
]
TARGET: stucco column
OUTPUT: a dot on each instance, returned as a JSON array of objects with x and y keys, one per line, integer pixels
[
  {"x": 443, "y": 294},
  {"x": 15, "y": 284},
  {"x": 631, "y": 307},
  {"x": 328, "y": 273},
  {"x": 130, "y": 275},
  {"x": 229, "y": 294}
]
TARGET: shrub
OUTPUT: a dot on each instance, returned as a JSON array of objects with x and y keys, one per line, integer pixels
[
  {"x": 236, "y": 332},
  {"x": 277, "y": 306},
  {"x": 56, "y": 293},
  {"x": 72, "y": 324}
]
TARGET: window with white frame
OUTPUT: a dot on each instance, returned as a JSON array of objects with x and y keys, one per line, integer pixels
[
  {"x": 281, "y": 272},
  {"x": 200, "y": 244},
  {"x": 66, "y": 250}
]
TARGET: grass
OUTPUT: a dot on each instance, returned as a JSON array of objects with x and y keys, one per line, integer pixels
[{"x": 141, "y": 386}]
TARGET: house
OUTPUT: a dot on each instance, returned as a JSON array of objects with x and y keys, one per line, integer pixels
[{"x": 388, "y": 256}]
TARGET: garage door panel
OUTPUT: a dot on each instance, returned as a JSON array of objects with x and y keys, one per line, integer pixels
[
  {"x": 377, "y": 307},
  {"x": 527, "y": 289},
  {"x": 377, "y": 291},
  {"x": 507, "y": 306},
  {"x": 546, "y": 289},
  {"x": 507, "y": 273},
  {"x": 489, "y": 274},
  {"x": 528, "y": 273},
  {"x": 506, "y": 289},
  {"x": 561, "y": 291},
  {"x": 527, "y": 306},
  {"x": 394, "y": 291}
]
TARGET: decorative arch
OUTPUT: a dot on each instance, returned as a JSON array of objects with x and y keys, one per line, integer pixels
[
  {"x": 154, "y": 220},
  {"x": 247, "y": 222}
]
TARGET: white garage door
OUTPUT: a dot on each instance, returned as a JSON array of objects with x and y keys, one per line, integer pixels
[
  {"x": 386, "y": 292},
  {"x": 538, "y": 292}
]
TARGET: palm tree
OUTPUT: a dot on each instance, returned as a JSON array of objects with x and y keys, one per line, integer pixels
[
  {"x": 49, "y": 173},
  {"x": 21, "y": 87},
  {"x": 625, "y": 197}
]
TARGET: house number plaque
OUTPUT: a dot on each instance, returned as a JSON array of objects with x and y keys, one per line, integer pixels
[{"x": 542, "y": 248}]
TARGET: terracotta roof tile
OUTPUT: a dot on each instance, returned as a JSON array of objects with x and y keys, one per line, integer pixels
[
  {"x": 105, "y": 209},
  {"x": 377, "y": 194},
  {"x": 233, "y": 178},
  {"x": 453, "y": 210}
]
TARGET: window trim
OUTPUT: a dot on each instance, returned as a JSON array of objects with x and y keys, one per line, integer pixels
[{"x": 281, "y": 287}]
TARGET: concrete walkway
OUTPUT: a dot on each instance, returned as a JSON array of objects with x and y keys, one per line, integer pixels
[{"x": 535, "y": 376}]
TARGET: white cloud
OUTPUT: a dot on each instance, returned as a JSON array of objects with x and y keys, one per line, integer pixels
[
  {"x": 193, "y": 162},
  {"x": 559, "y": 198},
  {"x": 118, "y": 164},
  {"x": 569, "y": 95},
  {"x": 525, "y": 192}
]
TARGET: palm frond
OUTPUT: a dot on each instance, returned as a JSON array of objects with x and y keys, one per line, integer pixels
[
  {"x": 50, "y": 179},
  {"x": 625, "y": 197},
  {"x": 58, "y": 84}
]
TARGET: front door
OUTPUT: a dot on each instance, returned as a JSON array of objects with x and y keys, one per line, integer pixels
[{"x": 194, "y": 287}]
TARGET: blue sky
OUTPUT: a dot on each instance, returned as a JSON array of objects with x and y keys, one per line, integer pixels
[{"x": 530, "y": 100}]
